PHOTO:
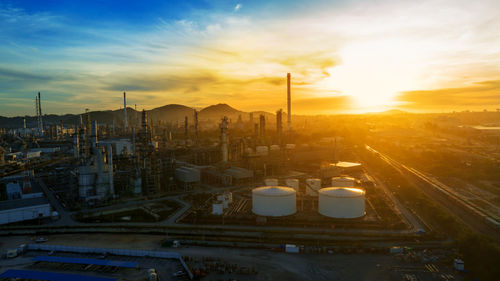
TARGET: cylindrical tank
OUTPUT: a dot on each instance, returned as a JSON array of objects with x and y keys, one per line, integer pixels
[
  {"x": 228, "y": 196},
  {"x": 262, "y": 150},
  {"x": 312, "y": 186},
  {"x": 274, "y": 147},
  {"x": 342, "y": 202},
  {"x": 293, "y": 183},
  {"x": 273, "y": 201},
  {"x": 290, "y": 146},
  {"x": 217, "y": 208},
  {"x": 271, "y": 182},
  {"x": 343, "y": 181}
]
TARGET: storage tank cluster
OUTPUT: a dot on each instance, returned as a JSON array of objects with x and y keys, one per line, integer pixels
[
  {"x": 222, "y": 202},
  {"x": 274, "y": 201},
  {"x": 341, "y": 202}
]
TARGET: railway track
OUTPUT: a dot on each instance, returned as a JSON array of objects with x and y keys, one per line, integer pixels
[{"x": 467, "y": 213}]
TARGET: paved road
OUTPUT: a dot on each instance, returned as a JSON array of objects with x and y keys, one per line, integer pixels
[
  {"x": 65, "y": 217},
  {"x": 474, "y": 220}
]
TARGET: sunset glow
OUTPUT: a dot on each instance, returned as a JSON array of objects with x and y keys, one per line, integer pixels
[{"x": 369, "y": 53}]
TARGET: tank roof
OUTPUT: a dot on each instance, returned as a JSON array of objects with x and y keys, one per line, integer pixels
[
  {"x": 344, "y": 178},
  {"x": 342, "y": 192},
  {"x": 273, "y": 190}
]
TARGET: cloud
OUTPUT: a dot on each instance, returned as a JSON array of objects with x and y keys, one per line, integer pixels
[
  {"x": 481, "y": 95},
  {"x": 368, "y": 51},
  {"x": 8, "y": 74}
]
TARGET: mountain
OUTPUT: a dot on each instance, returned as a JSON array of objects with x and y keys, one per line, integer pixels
[
  {"x": 171, "y": 113},
  {"x": 167, "y": 113},
  {"x": 218, "y": 111}
]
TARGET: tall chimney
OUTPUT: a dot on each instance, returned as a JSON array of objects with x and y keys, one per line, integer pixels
[
  {"x": 279, "y": 125},
  {"x": 125, "y": 111},
  {"x": 196, "y": 127},
  {"x": 223, "y": 139},
  {"x": 289, "y": 102},
  {"x": 42, "y": 126},
  {"x": 262, "y": 127},
  {"x": 37, "y": 115},
  {"x": 186, "y": 131}
]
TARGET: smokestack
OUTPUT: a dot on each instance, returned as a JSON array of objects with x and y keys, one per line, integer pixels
[
  {"x": 196, "y": 127},
  {"x": 24, "y": 125},
  {"x": 262, "y": 128},
  {"x": 279, "y": 125},
  {"x": 37, "y": 112},
  {"x": 186, "y": 128},
  {"x": 289, "y": 101},
  {"x": 125, "y": 111},
  {"x": 42, "y": 126},
  {"x": 223, "y": 139}
]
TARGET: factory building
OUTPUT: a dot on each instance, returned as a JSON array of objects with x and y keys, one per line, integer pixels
[
  {"x": 24, "y": 209},
  {"x": 238, "y": 175},
  {"x": 23, "y": 203},
  {"x": 274, "y": 201},
  {"x": 187, "y": 177},
  {"x": 341, "y": 202},
  {"x": 343, "y": 181}
]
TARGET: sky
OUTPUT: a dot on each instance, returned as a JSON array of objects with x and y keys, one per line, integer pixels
[{"x": 344, "y": 56}]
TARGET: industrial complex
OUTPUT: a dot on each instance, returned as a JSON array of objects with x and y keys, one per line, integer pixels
[{"x": 215, "y": 177}]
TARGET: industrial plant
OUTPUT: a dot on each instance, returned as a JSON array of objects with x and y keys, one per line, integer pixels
[{"x": 215, "y": 176}]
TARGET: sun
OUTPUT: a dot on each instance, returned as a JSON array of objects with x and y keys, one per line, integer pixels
[{"x": 373, "y": 74}]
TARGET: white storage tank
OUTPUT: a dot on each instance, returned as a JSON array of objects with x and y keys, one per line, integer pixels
[
  {"x": 293, "y": 183},
  {"x": 343, "y": 181},
  {"x": 271, "y": 182},
  {"x": 312, "y": 186},
  {"x": 290, "y": 146},
  {"x": 273, "y": 201},
  {"x": 274, "y": 147},
  {"x": 342, "y": 202},
  {"x": 217, "y": 208},
  {"x": 262, "y": 150}
]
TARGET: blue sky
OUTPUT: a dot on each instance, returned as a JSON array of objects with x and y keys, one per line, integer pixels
[{"x": 344, "y": 56}]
